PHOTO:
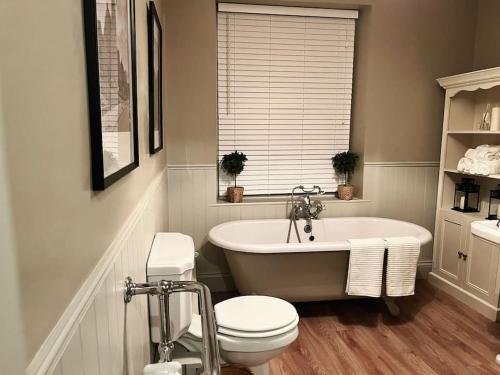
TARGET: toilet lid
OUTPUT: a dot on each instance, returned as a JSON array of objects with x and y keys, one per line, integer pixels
[
  {"x": 195, "y": 330},
  {"x": 260, "y": 334},
  {"x": 254, "y": 314}
]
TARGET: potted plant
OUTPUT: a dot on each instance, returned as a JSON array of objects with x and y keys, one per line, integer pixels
[
  {"x": 233, "y": 164},
  {"x": 344, "y": 164}
]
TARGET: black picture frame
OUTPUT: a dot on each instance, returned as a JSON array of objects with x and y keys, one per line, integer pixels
[
  {"x": 100, "y": 181},
  {"x": 155, "y": 97}
]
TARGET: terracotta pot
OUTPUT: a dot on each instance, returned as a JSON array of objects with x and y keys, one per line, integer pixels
[
  {"x": 346, "y": 192},
  {"x": 235, "y": 194}
]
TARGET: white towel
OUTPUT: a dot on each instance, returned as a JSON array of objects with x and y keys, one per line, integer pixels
[
  {"x": 366, "y": 263},
  {"x": 486, "y": 168},
  {"x": 483, "y": 152},
  {"x": 464, "y": 164},
  {"x": 470, "y": 153},
  {"x": 402, "y": 260},
  {"x": 490, "y": 148}
]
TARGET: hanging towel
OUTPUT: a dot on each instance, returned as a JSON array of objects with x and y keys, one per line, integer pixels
[
  {"x": 366, "y": 263},
  {"x": 402, "y": 259}
]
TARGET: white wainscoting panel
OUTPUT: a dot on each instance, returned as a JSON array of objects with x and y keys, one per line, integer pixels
[
  {"x": 405, "y": 191},
  {"x": 98, "y": 334}
]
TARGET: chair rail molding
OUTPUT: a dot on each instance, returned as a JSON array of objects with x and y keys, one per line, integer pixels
[
  {"x": 366, "y": 164},
  {"x": 401, "y": 163},
  {"x": 131, "y": 242}
]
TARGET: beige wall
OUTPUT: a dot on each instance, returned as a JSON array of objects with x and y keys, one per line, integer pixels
[
  {"x": 192, "y": 81},
  {"x": 487, "y": 51},
  {"x": 11, "y": 340},
  {"x": 402, "y": 47},
  {"x": 62, "y": 228}
]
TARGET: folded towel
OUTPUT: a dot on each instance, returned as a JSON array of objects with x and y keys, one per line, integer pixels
[
  {"x": 366, "y": 264},
  {"x": 464, "y": 165},
  {"x": 474, "y": 168},
  {"x": 486, "y": 155},
  {"x": 402, "y": 260},
  {"x": 483, "y": 152},
  {"x": 482, "y": 168},
  {"x": 485, "y": 168},
  {"x": 470, "y": 153},
  {"x": 491, "y": 148}
]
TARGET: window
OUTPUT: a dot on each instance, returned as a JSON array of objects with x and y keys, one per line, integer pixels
[{"x": 284, "y": 94}]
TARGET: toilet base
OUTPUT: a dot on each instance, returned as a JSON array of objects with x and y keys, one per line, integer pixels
[
  {"x": 262, "y": 369},
  {"x": 167, "y": 368}
]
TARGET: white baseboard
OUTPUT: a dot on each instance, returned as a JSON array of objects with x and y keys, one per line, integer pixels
[
  {"x": 54, "y": 346},
  {"x": 489, "y": 311}
]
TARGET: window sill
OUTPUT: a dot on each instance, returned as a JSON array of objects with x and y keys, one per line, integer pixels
[{"x": 280, "y": 200}]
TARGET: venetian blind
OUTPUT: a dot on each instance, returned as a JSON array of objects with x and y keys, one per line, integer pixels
[{"x": 284, "y": 94}]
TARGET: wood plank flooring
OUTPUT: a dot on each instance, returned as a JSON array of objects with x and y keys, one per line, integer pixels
[{"x": 435, "y": 334}]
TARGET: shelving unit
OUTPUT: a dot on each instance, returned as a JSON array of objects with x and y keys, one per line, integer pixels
[{"x": 467, "y": 96}]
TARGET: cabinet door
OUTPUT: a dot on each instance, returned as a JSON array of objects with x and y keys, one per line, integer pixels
[
  {"x": 451, "y": 242},
  {"x": 481, "y": 267}
]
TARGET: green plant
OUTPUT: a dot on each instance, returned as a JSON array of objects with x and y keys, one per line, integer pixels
[
  {"x": 344, "y": 163},
  {"x": 233, "y": 164}
]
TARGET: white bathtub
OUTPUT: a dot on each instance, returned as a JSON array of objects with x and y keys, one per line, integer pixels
[{"x": 262, "y": 262}]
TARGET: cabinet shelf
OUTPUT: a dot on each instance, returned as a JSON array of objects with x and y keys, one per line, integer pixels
[
  {"x": 492, "y": 176},
  {"x": 482, "y": 132},
  {"x": 467, "y": 215}
]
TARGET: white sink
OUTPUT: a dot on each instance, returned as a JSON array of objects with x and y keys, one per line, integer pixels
[{"x": 486, "y": 229}]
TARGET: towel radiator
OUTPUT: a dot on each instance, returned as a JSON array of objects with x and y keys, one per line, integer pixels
[{"x": 163, "y": 289}]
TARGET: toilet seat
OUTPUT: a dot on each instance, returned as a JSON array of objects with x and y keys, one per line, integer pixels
[
  {"x": 251, "y": 324},
  {"x": 263, "y": 334},
  {"x": 192, "y": 339},
  {"x": 254, "y": 314}
]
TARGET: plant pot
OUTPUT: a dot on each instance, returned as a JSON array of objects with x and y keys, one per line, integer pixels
[
  {"x": 235, "y": 194},
  {"x": 345, "y": 192}
]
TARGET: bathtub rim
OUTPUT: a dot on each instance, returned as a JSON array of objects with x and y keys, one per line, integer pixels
[{"x": 425, "y": 238}]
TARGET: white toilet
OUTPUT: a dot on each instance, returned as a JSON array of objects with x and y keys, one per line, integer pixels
[{"x": 251, "y": 330}]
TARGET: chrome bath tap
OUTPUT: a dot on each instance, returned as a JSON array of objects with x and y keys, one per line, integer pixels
[{"x": 303, "y": 208}]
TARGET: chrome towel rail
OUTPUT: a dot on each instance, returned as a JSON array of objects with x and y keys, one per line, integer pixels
[{"x": 163, "y": 289}]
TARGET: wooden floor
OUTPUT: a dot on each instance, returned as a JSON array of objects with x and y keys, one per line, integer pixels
[{"x": 435, "y": 334}]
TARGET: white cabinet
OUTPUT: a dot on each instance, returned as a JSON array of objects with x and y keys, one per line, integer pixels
[
  {"x": 452, "y": 237},
  {"x": 481, "y": 268},
  {"x": 465, "y": 265}
]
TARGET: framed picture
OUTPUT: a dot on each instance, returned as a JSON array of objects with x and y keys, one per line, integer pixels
[
  {"x": 155, "y": 62},
  {"x": 112, "y": 89}
]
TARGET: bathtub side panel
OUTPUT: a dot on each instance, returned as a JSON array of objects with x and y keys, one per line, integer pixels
[{"x": 295, "y": 277}]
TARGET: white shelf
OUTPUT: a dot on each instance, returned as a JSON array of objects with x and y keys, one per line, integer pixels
[
  {"x": 475, "y": 215},
  {"x": 493, "y": 176},
  {"x": 485, "y": 132}
]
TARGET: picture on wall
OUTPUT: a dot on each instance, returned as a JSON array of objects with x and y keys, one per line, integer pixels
[
  {"x": 112, "y": 92},
  {"x": 155, "y": 35}
]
